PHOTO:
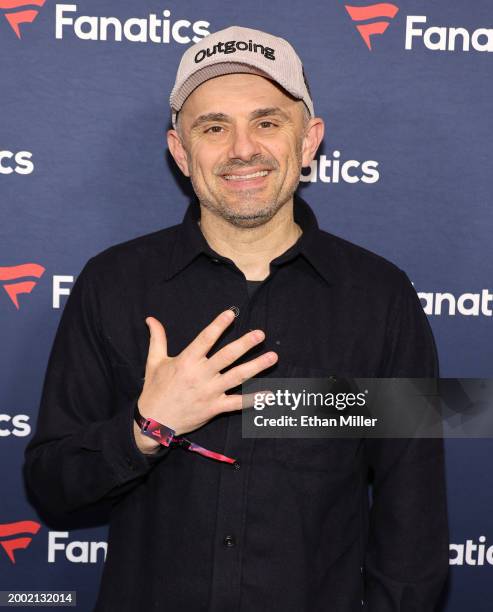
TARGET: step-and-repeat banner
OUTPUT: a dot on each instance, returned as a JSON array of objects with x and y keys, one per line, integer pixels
[{"x": 406, "y": 91}]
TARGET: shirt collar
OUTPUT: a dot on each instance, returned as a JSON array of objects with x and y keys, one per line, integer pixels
[{"x": 190, "y": 242}]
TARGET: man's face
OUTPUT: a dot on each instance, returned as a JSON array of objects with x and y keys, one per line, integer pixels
[{"x": 242, "y": 138}]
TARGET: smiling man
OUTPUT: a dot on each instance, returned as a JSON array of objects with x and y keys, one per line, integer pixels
[
  {"x": 247, "y": 285},
  {"x": 245, "y": 164}
]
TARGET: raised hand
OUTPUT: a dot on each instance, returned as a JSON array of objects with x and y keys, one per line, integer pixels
[{"x": 186, "y": 391}]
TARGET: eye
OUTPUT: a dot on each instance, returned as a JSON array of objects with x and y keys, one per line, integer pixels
[
  {"x": 267, "y": 124},
  {"x": 214, "y": 129}
]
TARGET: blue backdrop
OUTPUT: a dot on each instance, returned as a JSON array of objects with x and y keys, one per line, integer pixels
[{"x": 405, "y": 170}]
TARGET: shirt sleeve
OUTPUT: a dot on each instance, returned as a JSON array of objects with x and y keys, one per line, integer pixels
[
  {"x": 83, "y": 454},
  {"x": 406, "y": 562}
]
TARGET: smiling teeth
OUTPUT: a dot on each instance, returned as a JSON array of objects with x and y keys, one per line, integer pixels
[{"x": 236, "y": 177}]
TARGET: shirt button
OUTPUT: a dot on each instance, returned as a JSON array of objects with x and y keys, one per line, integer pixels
[
  {"x": 229, "y": 541},
  {"x": 236, "y": 310},
  {"x": 215, "y": 260}
]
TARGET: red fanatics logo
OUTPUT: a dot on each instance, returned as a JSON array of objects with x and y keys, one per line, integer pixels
[
  {"x": 8, "y": 273},
  {"x": 15, "y": 529},
  {"x": 372, "y": 12},
  {"x": 16, "y": 12}
]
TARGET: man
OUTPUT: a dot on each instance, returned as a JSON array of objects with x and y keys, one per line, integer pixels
[{"x": 247, "y": 285}]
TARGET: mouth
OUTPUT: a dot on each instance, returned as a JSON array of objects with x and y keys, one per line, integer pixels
[
  {"x": 252, "y": 179},
  {"x": 245, "y": 177}
]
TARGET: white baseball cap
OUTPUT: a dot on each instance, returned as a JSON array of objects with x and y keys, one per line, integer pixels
[{"x": 238, "y": 49}]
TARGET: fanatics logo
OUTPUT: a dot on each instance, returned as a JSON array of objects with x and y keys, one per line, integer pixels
[
  {"x": 8, "y": 273},
  {"x": 14, "y": 529},
  {"x": 372, "y": 11},
  {"x": 20, "y": 14},
  {"x": 154, "y": 28}
]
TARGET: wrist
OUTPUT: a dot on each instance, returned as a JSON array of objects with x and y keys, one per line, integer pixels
[
  {"x": 153, "y": 430},
  {"x": 144, "y": 444}
]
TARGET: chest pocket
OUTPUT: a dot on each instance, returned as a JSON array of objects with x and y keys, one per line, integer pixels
[
  {"x": 314, "y": 454},
  {"x": 339, "y": 457}
]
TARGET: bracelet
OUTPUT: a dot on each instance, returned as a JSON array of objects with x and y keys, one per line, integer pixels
[
  {"x": 166, "y": 436},
  {"x": 151, "y": 428}
]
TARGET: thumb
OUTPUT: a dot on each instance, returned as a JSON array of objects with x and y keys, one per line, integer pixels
[{"x": 158, "y": 346}]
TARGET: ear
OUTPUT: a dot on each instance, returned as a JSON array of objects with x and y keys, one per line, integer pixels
[
  {"x": 177, "y": 150},
  {"x": 314, "y": 133}
]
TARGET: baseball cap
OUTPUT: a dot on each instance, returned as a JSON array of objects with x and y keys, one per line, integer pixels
[{"x": 238, "y": 49}]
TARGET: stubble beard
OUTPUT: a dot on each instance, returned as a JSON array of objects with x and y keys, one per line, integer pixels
[{"x": 248, "y": 214}]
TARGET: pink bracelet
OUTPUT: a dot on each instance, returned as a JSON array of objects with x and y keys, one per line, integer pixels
[{"x": 166, "y": 436}]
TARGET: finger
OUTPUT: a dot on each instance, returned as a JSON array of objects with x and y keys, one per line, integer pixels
[
  {"x": 241, "y": 373},
  {"x": 246, "y": 400},
  {"x": 158, "y": 345},
  {"x": 205, "y": 340},
  {"x": 232, "y": 351}
]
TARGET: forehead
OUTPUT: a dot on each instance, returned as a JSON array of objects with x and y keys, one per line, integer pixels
[{"x": 237, "y": 94}]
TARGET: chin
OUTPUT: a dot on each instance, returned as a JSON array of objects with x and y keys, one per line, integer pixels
[
  {"x": 248, "y": 209},
  {"x": 247, "y": 221},
  {"x": 248, "y": 216}
]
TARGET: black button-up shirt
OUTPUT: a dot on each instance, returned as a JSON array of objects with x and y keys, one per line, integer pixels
[{"x": 293, "y": 528}]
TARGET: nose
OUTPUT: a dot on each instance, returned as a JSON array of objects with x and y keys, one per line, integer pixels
[{"x": 243, "y": 145}]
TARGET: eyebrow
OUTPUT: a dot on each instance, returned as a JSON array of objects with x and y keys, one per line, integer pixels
[
  {"x": 256, "y": 114},
  {"x": 265, "y": 112}
]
